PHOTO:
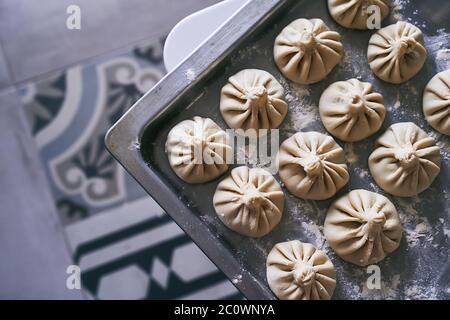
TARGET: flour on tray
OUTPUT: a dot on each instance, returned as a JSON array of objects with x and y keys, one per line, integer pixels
[
  {"x": 190, "y": 74},
  {"x": 397, "y": 7}
]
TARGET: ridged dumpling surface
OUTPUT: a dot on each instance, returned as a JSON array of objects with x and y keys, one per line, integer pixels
[
  {"x": 307, "y": 50},
  {"x": 249, "y": 201},
  {"x": 198, "y": 150},
  {"x": 354, "y": 14},
  {"x": 363, "y": 227},
  {"x": 406, "y": 160},
  {"x": 397, "y": 52},
  {"x": 351, "y": 111},
  {"x": 300, "y": 271},
  {"x": 312, "y": 165},
  {"x": 253, "y": 99},
  {"x": 436, "y": 102}
]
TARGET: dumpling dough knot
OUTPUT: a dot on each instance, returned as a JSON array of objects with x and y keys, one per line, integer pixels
[
  {"x": 252, "y": 198},
  {"x": 306, "y": 42},
  {"x": 198, "y": 150},
  {"x": 397, "y": 52},
  {"x": 351, "y": 110},
  {"x": 253, "y": 99},
  {"x": 356, "y": 105},
  {"x": 256, "y": 93},
  {"x": 306, "y": 51},
  {"x": 365, "y": 5},
  {"x": 256, "y": 98},
  {"x": 405, "y": 45},
  {"x": 313, "y": 166},
  {"x": 406, "y": 160},
  {"x": 407, "y": 157},
  {"x": 304, "y": 275},
  {"x": 375, "y": 223},
  {"x": 249, "y": 201},
  {"x": 299, "y": 271},
  {"x": 355, "y": 14},
  {"x": 362, "y": 227}
]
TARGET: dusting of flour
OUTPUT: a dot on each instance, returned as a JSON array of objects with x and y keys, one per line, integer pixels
[
  {"x": 419, "y": 231},
  {"x": 423, "y": 231},
  {"x": 397, "y": 9}
]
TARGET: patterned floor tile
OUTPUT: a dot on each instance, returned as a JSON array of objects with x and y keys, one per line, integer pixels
[
  {"x": 124, "y": 243},
  {"x": 36, "y": 39},
  {"x": 33, "y": 257}
]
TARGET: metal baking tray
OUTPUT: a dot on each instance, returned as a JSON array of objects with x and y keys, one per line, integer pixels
[{"x": 418, "y": 269}]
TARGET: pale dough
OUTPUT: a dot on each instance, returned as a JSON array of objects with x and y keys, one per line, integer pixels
[
  {"x": 299, "y": 271},
  {"x": 198, "y": 150},
  {"x": 351, "y": 111},
  {"x": 436, "y": 102},
  {"x": 249, "y": 201},
  {"x": 354, "y": 14},
  {"x": 253, "y": 99},
  {"x": 406, "y": 160},
  {"x": 397, "y": 52},
  {"x": 307, "y": 50},
  {"x": 312, "y": 165},
  {"x": 362, "y": 227}
]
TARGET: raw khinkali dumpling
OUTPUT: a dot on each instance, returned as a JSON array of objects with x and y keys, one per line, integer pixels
[
  {"x": 249, "y": 201},
  {"x": 362, "y": 227},
  {"x": 312, "y": 165},
  {"x": 396, "y": 53},
  {"x": 253, "y": 99},
  {"x": 198, "y": 150},
  {"x": 299, "y": 271},
  {"x": 350, "y": 110},
  {"x": 436, "y": 102},
  {"x": 406, "y": 160},
  {"x": 306, "y": 50},
  {"x": 353, "y": 14}
]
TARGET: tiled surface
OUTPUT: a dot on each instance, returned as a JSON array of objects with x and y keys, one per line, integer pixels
[
  {"x": 5, "y": 79},
  {"x": 126, "y": 246},
  {"x": 64, "y": 199},
  {"x": 33, "y": 255},
  {"x": 70, "y": 113},
  {"x": 35, "y": 39}
]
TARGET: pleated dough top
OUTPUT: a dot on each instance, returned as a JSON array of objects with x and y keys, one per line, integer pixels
[
  {"x": 350, "y": 110},
  {"x": 406, "y": 160},
  {"x": 354, "y": 14},
  {"x": 397, "y": 52},
  {"x": 299, "y": 271},
  {"x": 307, "y": 50},
  {"x": 436, "y": 102},
  {"x": 253, "y": 99},
  {"x": 198, "y": 150},
  {"x": 362, "y": 227},
  {"x": 249, "y": 201},
  {"x": 312, "y": 165}
]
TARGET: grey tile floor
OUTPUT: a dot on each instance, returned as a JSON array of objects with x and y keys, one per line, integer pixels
[
  {"x": 34, "y": 258},
  {"x": 5, "y": 78},
  {"x": 34, "y": 42}
]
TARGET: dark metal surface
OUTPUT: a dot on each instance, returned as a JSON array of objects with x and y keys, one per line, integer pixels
[
  {"x": 125, "y": 137},
  {"x": 245, "y": 41}
]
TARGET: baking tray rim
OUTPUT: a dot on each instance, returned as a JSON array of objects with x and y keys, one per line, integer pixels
[{"x": 123, "y": 138}]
